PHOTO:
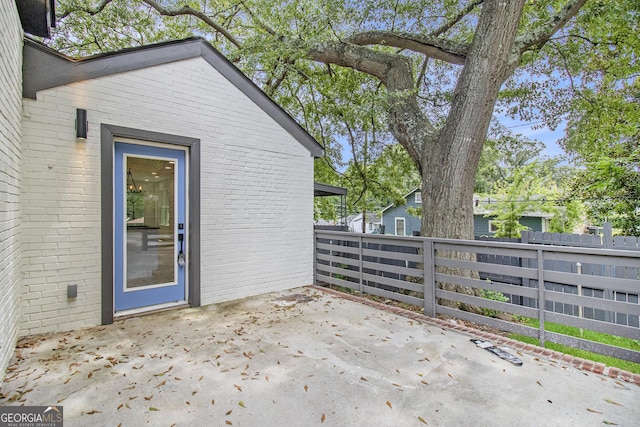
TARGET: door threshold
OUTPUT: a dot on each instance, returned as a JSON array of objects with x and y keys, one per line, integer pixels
[{"x": 152, "y": 309}]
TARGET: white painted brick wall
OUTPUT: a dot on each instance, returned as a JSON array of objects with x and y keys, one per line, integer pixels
[
  {"x": 256, "y": 188},
  {"x": 10, "y": 155}
]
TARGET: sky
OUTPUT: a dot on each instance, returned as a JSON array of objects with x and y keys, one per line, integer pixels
[{"x": 548, "y": 137}]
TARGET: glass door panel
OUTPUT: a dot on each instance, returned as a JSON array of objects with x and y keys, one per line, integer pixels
[
  {"x": 151, "y": 234},
  {"x": 149, "y": 226}
]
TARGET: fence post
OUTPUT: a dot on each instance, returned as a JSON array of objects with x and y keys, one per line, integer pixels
[
  {"x": 541, "y": 297},
  {"x": 429, "y": 280},
  {"x": 360, "y": 263},
  {"x": 607, "y": 235},
  {"x": 315, "y": 257}
]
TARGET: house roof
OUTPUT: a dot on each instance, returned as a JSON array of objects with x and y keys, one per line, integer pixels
[
  {"x": 45, "y": 68},
  {"x": 481, "y": 206},
  {"x": 322, "y": 190},
  {"x": 405, "y": 196}
]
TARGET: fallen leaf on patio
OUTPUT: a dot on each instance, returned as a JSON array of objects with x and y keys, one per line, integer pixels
[
  {"x": 133, "y": 397},
  {"x": 609, "y": 423},
  {"x": 238, "y": 387},
  {"x": 539, "y": 383},
  {"x": 148, "y": 397},
  {"x": 213, "y": 402},
  {"x": 612, "y": 402},
  {"x": 594, "y": 411},
  {"x": 151, "y": 408},
  {"x": 422, "y": 420},
  {"x": 120, "y": 406},
  {"x": 162, "y": 383},
  {"x": 241, "y": 404},
  {"x": 93, "y": 411},
  {"x": 90, "y": 375},
  {"x": 229, "y": 423},
  {"x": 229, "y": 412},
  {"x": 306, "y": 387},
  {"x": 364, "y": 379},
  {"x": 424, "y": 382},
  {"x": 389, "y": 404},
  {"x": 266, "y": 378},
  {"x": 450, "y": 376},
  {"x": 322, "y": 418}
]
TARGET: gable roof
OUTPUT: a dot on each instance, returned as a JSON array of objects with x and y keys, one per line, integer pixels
[
  {"x": 480, "y": 206},
  {"x": 45, "y": 68},
  {"x": 406, "y": 196}
]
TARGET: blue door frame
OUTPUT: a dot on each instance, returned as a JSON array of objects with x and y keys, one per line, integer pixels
[{"x": 161, "y": 246}]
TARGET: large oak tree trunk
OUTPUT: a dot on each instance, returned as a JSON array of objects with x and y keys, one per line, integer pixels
[{"x": 447, "y": 192}]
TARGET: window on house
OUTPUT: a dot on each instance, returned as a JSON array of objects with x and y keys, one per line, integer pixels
[
  {"x": 400, "y": 227},
  {"x": 418, "y": 196},
  {"x": 493, "y": 226}
]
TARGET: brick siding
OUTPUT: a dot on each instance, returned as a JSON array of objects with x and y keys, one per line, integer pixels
[
  {"x": 256, "y": 188},
  {"x": 10, "y": 157}
]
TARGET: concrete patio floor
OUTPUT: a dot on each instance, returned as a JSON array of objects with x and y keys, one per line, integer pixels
[{"x": 302, "y": 357}]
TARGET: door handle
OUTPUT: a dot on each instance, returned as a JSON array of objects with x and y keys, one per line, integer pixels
[{"x": 181, "y": 260}]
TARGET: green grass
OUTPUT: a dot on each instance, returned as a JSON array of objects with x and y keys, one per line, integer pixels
[{"x": 587, "y": 335}]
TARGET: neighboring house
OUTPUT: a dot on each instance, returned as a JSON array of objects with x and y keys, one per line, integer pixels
[
  {"x": 372, "y": 226},
  {"x": 484, "y": 225},
  {"x": 397, "y": 220},
  {"x": 138, "y": 180}
]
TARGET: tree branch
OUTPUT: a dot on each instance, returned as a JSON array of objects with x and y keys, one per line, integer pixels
[
  {"x": 90, "y": 11},
  {"x": 258, "y": 21},
  {"x": 187, "y": 10},
  {"x": 542, "y": 35},
  {"x": 359, "y": 58},
  {"x": 433, "y": 47},
  {"x": 449, "y": 24}
]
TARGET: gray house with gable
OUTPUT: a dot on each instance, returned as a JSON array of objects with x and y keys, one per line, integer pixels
[{"x": 399, "y": 222}]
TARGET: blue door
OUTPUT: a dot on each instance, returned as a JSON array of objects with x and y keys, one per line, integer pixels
[{"x": 149, "y": 224}]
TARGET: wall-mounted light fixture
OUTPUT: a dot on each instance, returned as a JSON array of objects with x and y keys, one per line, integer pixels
[{"x": 82, "y": 125}]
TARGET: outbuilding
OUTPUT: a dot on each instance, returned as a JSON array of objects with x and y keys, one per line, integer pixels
[{"x": 144, "y": 179}]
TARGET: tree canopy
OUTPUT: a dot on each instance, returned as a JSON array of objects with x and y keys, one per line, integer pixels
[{"x": 424, "y": 74}]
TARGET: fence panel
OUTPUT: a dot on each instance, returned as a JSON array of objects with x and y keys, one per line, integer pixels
[{"x": 441, "y": 274}]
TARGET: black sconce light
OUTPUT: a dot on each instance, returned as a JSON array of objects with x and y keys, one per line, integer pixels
[{"x": 82, "y": 126}]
